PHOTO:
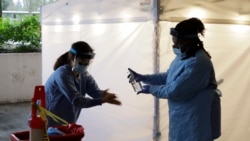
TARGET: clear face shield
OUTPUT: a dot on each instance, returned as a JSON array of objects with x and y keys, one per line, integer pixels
[
  {"x": 81, "y": 61},
  {"x": 78, "y": 66}
]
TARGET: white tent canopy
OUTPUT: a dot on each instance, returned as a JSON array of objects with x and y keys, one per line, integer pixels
[
  {"x": 123, "y": 34},
  {"x": 95, "y": 11},
  {"x": 213, "y": 11}
]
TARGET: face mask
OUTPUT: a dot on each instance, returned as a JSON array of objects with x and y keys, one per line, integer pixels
[
  {"x": 177, "y": 52},
  {"x": 79, "y": 68}
]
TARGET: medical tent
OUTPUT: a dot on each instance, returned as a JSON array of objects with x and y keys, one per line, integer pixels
[{"x": 135, "y": 34}]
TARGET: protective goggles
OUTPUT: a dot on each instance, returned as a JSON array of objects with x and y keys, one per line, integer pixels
[{"x": 177, "y": 34}]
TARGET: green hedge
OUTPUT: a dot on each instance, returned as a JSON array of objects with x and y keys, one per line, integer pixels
[{"x": 25, "y": 34}]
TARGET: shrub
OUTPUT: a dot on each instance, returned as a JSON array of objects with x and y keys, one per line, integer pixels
[{"x": 20, "y": 36}]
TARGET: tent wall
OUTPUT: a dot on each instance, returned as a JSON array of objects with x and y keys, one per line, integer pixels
[
  {"x": 117, "y": 48},
  {"x": 122, "y": 36}
]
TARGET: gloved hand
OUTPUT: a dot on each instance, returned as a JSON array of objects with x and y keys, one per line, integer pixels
[
  {"x": 145, "y": 89},
  {"x": 54, "y": 131},
  {"x": 134, "y": 76}
]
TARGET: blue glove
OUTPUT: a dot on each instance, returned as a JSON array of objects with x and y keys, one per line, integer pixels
[
  {"x": 134, "y": 76},
  {"x": 145, "y": 89},
  {"x": 54, "y": 131}
]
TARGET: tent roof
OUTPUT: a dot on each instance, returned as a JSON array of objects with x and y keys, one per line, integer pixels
[
  {"x": 110, "y": 11},
  {"x": 94, "y": 11},
  {"x": 215, "y": 11}
]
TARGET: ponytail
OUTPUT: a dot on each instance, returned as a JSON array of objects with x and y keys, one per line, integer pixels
[{"x": 62, "y": 60}]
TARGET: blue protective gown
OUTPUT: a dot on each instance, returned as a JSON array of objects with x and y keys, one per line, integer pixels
[
  {"x": 65, "y": 94},
  {"x": 189, "y": 85}
]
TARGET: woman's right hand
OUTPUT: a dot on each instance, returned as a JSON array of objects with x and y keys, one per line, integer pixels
[{"x": 110, "y": 98}]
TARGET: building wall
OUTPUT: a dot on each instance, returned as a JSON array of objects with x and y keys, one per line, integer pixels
[{"x": 20, "y": 73}]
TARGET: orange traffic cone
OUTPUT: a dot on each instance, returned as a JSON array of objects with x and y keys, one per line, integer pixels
[{"x": 36, "y": 123}]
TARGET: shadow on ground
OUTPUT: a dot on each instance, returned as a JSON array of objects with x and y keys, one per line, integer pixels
[{"x": 13, "y": 118}]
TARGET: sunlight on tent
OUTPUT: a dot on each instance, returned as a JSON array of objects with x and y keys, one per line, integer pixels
[
  {"x": 240, "y": 28},
  {"x": 197, "y": 12}
]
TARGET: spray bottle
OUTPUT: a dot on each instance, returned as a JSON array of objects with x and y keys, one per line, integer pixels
[{"x": 137, "y": 86}]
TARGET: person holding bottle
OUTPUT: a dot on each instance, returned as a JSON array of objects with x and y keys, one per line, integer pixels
[
  {"x": 67, "y": 86},
  {"x": 189, "y": 85}
]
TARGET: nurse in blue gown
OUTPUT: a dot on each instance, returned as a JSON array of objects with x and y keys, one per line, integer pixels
[
  {"x": 68, "y": 86},
  {"x": 189, "y": 85}
]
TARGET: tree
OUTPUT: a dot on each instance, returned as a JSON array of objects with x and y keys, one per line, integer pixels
[
  {"x": 1, "y": 9},
  {"x": 19, "y": 5},
  {"x": 34, "y": 5},
  {"x": 5, "y": 4},
  {"x": 11, "y": 6}
]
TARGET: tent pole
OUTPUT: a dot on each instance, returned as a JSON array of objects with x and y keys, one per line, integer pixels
[{"x": 156, "y": 130}]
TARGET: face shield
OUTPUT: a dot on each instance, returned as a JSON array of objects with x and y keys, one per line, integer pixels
[
  {"x": 81, "y": 61},
  {"x": 180, "y": 35},
  {"x": 84, "y": 55}
]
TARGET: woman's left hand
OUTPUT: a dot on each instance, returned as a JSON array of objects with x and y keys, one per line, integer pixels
[{"x": 110, "y": 98}]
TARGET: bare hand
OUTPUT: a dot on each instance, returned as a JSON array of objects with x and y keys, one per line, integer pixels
[{"x": 110, "y": 98}]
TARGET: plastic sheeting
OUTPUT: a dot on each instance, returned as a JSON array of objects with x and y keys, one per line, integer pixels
[{"x": 121, "y": 42}]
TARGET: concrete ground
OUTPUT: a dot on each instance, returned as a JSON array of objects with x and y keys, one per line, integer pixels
[{"x": 13, "y": 118}]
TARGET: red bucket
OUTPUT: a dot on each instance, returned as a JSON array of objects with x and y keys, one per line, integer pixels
[{"x": 73, "y": 132}]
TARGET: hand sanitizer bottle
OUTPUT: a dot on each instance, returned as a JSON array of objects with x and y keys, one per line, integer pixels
[{"x": 137, "y": 86}]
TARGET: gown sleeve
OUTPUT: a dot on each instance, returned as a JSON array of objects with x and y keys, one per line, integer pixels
[
  {"x": 75, "y": 91},
  {"x": 194, "y": 77}
]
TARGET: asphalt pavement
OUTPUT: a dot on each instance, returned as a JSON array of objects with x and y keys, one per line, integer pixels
[{"x": 13, "y": 119}]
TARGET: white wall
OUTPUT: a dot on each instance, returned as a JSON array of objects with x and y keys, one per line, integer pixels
[{"x": 20, "y": 73}]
